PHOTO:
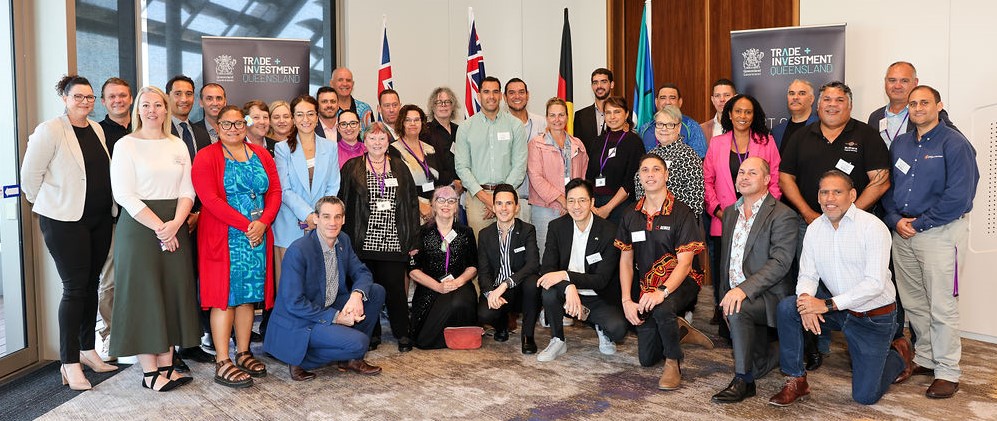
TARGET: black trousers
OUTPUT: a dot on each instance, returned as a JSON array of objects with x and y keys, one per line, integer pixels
[
  {"x": 607, "y": 313},
  {"x": 525, "y": 296},
  {"x": 658, "y": 337},
  {"x": 79, "y": 250},
  {"x": 457, "y": 308},
  {"x": 391, "y": 276}
]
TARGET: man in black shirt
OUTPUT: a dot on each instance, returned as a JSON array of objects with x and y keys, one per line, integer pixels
[{"x": 800, "y": 101}]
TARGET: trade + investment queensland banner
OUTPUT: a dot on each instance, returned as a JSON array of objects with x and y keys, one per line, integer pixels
[
  {"x": 765, "y": 61},
  {"x": 256, "y": 68}
]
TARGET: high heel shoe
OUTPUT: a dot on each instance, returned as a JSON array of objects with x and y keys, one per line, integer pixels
[
  {"x": 80, "y": 385},
  {"x": 97, "y": 366}
]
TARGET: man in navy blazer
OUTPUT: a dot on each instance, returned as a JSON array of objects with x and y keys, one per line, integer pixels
[{"x": 322, "y": 307}]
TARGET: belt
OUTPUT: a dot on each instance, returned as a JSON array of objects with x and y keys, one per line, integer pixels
[
  {"x": 489, "y": 187},
  {"x": 887, "y": 309}
]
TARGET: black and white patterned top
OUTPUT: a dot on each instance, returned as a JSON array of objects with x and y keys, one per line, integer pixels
[
  {"x": 382, "y": 231},
  {"x": 685, "y": 174}
]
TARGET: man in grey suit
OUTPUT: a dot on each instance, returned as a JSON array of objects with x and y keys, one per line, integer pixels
[{"x": 757, "y": 248}]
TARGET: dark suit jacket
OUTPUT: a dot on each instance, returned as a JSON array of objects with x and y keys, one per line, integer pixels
[
  {"x": 585, "y": 128},
  {"x": 201, "y": 137},
  {"x": 301, "y": 297},
  {"x": 768, "y": 254},
  {"x": 602, "y": 276},
  {"x": 524, "y": 256},
  {"x": 880, "y": 113}
]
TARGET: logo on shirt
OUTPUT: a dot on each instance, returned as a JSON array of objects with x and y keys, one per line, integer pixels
[
  {"x": 752, "y": 62},
  {"x": 851, "y": 146},
  {"x": 933, "y": 156},
  {"x": 664, "y": 228}
]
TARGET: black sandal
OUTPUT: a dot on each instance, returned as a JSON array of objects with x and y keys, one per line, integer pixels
[
  {"x": 227, "y": 377},
  {"x": 169, "y": 374},
  {"x": 170, "y": 385},
  {"x": 250, "y": 364}
]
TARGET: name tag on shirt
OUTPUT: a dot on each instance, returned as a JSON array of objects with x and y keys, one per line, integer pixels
[
  {"x": 450, "y": 236},
  {"x": 519, "y": 250},
  {"x": 390, "y": 182},
  {"x": 383, "y": 205},
  {"x": 594, "y": 258},
  {"x": 600, "y": 182},
  {"x": 612, "y": 153},
  {"x": 566, "y": 180},
  {"x": 902, "y": 166},
  {"x": 845, "y": 166},
  {"x": 178, "y": 160},
  {"x": 503, "y": 136},
  {"x": 428, "y": 187},
  {"x": 449, "y": 277},
  {"x": 638, "y": 236},
  {"x": 883, "y": 124}
]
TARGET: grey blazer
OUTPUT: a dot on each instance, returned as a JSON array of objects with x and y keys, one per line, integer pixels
[{"x": 768, "y": 255}]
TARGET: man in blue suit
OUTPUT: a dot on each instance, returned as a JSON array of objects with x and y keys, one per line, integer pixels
[{"x": 322, "y": 305}]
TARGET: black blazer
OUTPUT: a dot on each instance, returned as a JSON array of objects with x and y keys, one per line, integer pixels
[
  {"x": 602, "y": 276},
  {"x": 524, "y": 260},
  {"x": 201, "y": 137},
  {"x": 585, "y": 128},
  {"x": 880, "y": 113}
]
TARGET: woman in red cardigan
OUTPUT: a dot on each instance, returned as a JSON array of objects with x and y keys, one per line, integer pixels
[{"x": 240, "y": 195}]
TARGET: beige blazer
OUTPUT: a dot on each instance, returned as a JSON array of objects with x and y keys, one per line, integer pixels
[{"x": 53, "y": 175}]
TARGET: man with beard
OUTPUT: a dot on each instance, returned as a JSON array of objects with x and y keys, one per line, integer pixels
[
  {"x": 517, "y": 96},
  {"x": 590, "y": 122},
  {"x": 328, "y": 110}
]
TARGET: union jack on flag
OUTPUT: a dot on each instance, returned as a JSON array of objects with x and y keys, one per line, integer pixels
[
  {"x": 384, "y": 80},
  {"x": 475, "y": 70}
]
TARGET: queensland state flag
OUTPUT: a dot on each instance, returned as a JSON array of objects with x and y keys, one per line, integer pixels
[
  {"x": 475, "y": 69},
  {"x": 565, "y": 86},
  {"x": 644, "y": 84},
  {"x": 384, "y": 80}
]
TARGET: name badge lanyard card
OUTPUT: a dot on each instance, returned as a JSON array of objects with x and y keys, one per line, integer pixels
[
  {"x": 379, "y": 177},
  {"x": 903, "y": 123},
  {"x": 422, "y": 162},
  {"x": 603, "y": 159},
  {"x": 446, "y": 247}
]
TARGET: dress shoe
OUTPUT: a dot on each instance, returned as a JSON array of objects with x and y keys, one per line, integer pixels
[
  {"x": 255, "y": 337},
  {"x": 375, "y": 341},
  {"x": 97, "y": 365},
  {"x": 197, "y": 354},
  {"x": 813, "y": 360},
  {"x": 671, "y": 376},
  {"x": 501, "y": 335},
  {"x": 942, "y": 389},
  {"x": 922, "y": 371},
  {"x": 299, "y": 374},
  {"x": 554, "y": 349},
  {"x": 691, "y": 335},
  {"x": 529, "y": 346},
  {"x": 903, "y": 347},
  {"x": 736, "y": 391},
  {"x": 179, "y": 365},
  {"x": 796, "y": 388},
  {"x": 404, "y": 344},
  {"x": 360, "y": 366},
  {"x": 77, "y": 384}
]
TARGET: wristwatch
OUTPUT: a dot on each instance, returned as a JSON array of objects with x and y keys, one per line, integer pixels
[
  {"x": 664, "y": 289},
  {"x": 830, "y": 304}
]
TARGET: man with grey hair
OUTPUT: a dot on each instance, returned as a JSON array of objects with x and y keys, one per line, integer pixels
[
  {"x": 342, "y": 82},
  {"x": 893, "y": 119},
  {"x": 800, "y": 101}
]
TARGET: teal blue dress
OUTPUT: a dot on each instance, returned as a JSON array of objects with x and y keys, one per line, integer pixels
[{"x": 245, "y": 184}]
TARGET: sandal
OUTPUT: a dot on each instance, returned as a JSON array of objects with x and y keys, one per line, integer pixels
[
  {"x": 170, "y": 385},
  {"x": 250, "y": 364},
  {"x": 169, "y": 374},
  {"x": 227, "y": 374}
]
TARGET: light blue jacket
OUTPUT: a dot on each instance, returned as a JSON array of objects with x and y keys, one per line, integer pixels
[{"x": 299, "y": 196}]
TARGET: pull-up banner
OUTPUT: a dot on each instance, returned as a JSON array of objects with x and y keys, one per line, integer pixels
[
  {"x": 256, "y": 68},
  {"x": 764, "y": 62}
]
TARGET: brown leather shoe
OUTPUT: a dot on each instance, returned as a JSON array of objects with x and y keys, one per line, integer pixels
[
  {"x": 922, "y": 371},
  {"x": 360, "y": 366},
  {"x": 299, "y": 374},
  {"x": 903, "y": 347},
  {"x": 942, "y": 389},
  {"x": 671, "y": 376},
  {"x": 796, "y": 388},
  {"x": 691, "y": 335}
]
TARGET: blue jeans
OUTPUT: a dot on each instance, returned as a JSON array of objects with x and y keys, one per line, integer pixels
[{"x": 874, "y": 364}]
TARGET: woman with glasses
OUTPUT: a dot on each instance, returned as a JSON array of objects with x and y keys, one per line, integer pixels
[
  {"x": 441, "y": 132},
  {"x": 422, "y": 159},
  {"x": 443, "y": 266},
  {"x": 613, "y": 162},
  {"x": 240, "y": 194},
  {"x": 382, "y": 221},
  {"x": 685, "y": 170},
  {"x": 281, "y": 123},
  {"x": 348, "y": 128},
  {"x": 308, "y": 166},
  {"x": 66, "y": 175},
  {"x": 258, "y": 125}
]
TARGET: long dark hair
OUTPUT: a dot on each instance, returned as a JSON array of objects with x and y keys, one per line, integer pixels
[
  {"x": 400, "y": 122},
  {"x": 759, "y": 131},
  {"x": 292, "y": 138}
]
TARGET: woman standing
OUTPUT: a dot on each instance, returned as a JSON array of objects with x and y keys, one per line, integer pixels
[
  {"x": 382, "y": 221},
  {"x": 154, "y": 304},
  {"x": 240, "y": 195},
  {"x": 281, "y": 122},
  {"x": 613, "y": 162},
  {"x": 685, "y": 170},
  {"x": 422, "y": 160},
  {"x": 553, "y": 159},
  {"x": 66, "y": 175},
  {"x": 443, "y": 267},
  {"x": 349, "y": 142},
  {"x": 258, "y": 123},
  {"x": 441, "y": 132}
]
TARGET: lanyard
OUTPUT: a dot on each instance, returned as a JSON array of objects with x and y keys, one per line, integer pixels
[
  {"x": 903, "y": 123},
  {"x": 737, "y": 149},
  {"x": 602, "y": 157},
  {"x": 244, "y": 149},
  {"x": 379, "y": 177},
  {"x": 422, "y": 163},
  {"x": 446, "y": 262}
]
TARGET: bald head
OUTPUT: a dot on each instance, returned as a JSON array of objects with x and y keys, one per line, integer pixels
[
  {"x": 753, "y": 178},
  {"x": 342, "y": 82}
]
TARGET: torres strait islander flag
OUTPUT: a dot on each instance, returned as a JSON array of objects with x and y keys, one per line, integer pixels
[
  {"x": 565, "y": 85},
  {"x": 384, "y": 79},
  {"x": 475, "y": 69}
]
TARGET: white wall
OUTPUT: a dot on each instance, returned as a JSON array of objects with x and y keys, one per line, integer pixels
[
  {"x": 950, "y": 44},
  {"x": 428, "y": 41}
]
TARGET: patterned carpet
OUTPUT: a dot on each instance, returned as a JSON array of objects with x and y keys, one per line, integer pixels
[{"x": 498, "y": 382}]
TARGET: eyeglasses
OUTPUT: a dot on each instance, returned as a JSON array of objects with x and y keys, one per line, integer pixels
[
  {"x": 446, "y": 201},
  {"x": 349, "y": 124},
  {"x": 225, "y": 124},
  {"x": 579, "y": 201},
  {"x": 668, "y": 126},
  {"x": 440, "y": 103},
  {"x": 309, "y": 115},
  {"x": 87, "y": 98}
]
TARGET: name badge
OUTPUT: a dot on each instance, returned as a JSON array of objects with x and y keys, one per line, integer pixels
[
  {"x": 519, "y": 250},
  {"x": 503, "y": 136},
  {"x": 883, "y": 124},
  {"x": 638, "y": 236},
  {"x": 449, "y": 277},
  {"x": 594, "y": 258},
  {"x": 450, "y": 236},
  {"x": 902, "y": 166},
  {"x": 390, "y": 182},
  {"x": 566, "y": 180},
  {"x": 668, "y": 165},
  {"x": 845, "y": 166},
  {"x": 428, "y": 187},
  {"x": 256, "y": 214},
  {"x": 600, "y": 182},
  {"x": 178, "y": 160},
  {"x": 612, "y": 153},
  {"x": 443, "y": 246},
  {"x": 383, "y": 205}
]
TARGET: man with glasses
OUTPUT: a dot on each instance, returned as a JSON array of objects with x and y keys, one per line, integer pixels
[
  {"x": 692, "y": 134},
  {"x": 212, "y": 102},
  {"x": 388, "y": 106},
  {"x": 342, "y": 82},
  {"x": 722, "y": 91},
  {"x": 590, "y": 122},
  {"x": 328, "y": 109}
]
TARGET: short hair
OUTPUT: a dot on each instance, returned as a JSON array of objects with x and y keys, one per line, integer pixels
[
  {"x": 137, "y": 120},
  {"x": 387, "y": 92},
  {"x": 378, "y": 127},
  {"x": 209, "y": 85},
  {"x": 759, "y": 129},
  {"x": 837, "y": 173},
  {"x": 507, "y": 188},
  {"x": 514, "y": 80},
  {"x": 723, "y": 82},
  {"x": 400, "y": 122},
  {"x": 254, "y": 103},
  {"x": 837, "y": 84},
  {"x": 324, "y": 90},
  {"x": 670, "y": 111},
  {"x": 115, "y": 81},
  {"x": 669, "y": 86},
  {"x": 803, "y": 81},
  {"x": 178, "y": 78},
  {"x": 556, "y": 101},
  {"x": 231, "y": 107},
  {"x": 273, "y": 108},
  {"x": 903, "y": 63},
  {"x": 491, "y": 79},
  {"x": 332, "y": 200},
  {"x": 934, "y": 92},
  {"x": 430, "y": 105},
  {"x": 602, "y": 71},
  {"x": 618, "y": 102},
  {"x": 657, "y": 157},
  {"x": 580, "y": 182},
  {"x": 67, "y": 82}
]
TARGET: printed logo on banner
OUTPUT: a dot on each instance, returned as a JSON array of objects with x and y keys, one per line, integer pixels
[
  {"x": 752, "y": 62},
  {"x": 225, "y": 68}
]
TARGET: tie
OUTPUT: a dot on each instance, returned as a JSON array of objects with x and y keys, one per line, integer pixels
[{"x": 188, "y": 139}]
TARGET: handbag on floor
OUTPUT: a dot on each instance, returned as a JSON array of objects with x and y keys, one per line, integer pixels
[{"x": 463, "y": 337}]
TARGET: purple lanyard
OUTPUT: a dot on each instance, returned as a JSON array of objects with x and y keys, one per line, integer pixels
[
  {"x": 602, "y": 157},
  {"x": 379, "y": 177},
  {"x": 737, "y": 149},
  {"x": 446, "y": 263},
  {"x": 899, "y": 128},
  {"x": 422, "y": 163}
]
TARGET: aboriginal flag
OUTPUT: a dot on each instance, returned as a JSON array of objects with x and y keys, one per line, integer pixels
[{"x": 565, "y": 85}]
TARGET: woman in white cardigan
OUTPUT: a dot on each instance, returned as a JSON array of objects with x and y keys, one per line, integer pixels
[{"x": 66, "y": 175}]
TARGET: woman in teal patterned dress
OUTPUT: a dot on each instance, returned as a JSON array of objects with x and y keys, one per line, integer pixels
[{"x": 240, "y": 194}]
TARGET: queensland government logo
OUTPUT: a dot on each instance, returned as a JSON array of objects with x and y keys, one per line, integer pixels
[
  {"x": 225, "y": 68},
  {"x": 752, "y": 64}
]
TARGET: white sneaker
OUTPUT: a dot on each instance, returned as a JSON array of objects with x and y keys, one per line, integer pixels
[
  {"x": 606, "y": 346},
  {"x": 567, "y": 321},
  {"x": 555, "y": 349}
]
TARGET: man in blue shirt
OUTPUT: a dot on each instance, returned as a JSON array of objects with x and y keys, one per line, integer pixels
[
  {"x": 692, "y": 134},
  {"x": 929, "y": 229}
]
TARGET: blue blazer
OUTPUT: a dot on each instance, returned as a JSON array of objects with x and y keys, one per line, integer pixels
[
  {"x": 300, "y": 303},
  {"x": 779, "y": 131},
  {"x": 299, "y": 196}
]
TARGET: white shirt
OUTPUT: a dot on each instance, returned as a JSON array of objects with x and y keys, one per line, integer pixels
[
  {"x": 851, "y": 260},
  {"x": 579, "y": 239},
  {"x": 534, "y": 126},
  {"x": 144, "y": 169},
  {"x": 718, "y": 129},
  {"x": 600, "y": 120}
]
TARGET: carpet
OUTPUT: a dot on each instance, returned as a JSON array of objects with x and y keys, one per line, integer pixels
[{"x": 36, "y": 393}]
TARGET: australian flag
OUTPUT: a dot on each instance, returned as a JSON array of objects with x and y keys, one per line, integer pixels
[
  {"x": 475, "y": 72},
  {"x": 384, "y": 80}
]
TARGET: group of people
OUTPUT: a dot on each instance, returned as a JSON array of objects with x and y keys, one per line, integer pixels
[{"x": 323, "y": 210}]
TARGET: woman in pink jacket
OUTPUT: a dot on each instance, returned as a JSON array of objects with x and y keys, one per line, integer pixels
[{"x": 553, "y": 158}]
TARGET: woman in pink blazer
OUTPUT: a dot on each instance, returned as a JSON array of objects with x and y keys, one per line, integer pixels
[{"x": 553, "y": 158}]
